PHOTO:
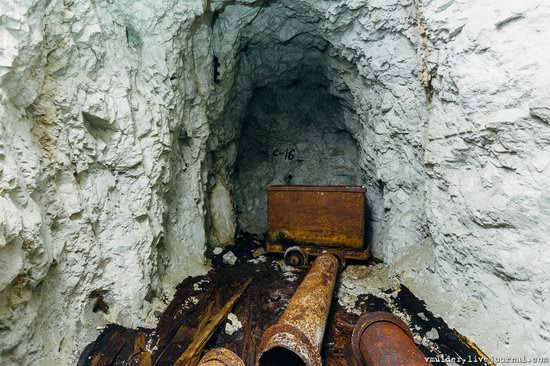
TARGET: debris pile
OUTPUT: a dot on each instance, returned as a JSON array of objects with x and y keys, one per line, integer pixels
[{"x": 260, "y": 306}]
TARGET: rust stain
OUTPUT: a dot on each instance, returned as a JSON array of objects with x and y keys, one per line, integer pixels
[{"x": 43, "y": 113}]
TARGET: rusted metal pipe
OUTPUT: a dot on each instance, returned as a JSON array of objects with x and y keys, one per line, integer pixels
[
  {"x": 221, "y": 357},
  {"x": 296, "y": 338},
  {"x": 382, "y": 339}
]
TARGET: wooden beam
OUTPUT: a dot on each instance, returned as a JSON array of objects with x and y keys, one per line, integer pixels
[{"x": 192, "y": 354}]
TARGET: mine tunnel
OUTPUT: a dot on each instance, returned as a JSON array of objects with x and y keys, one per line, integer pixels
[
  {"x": 274, "y": 182},
  {"x": 290, "y": 119},
  {"x": 293, "y": 133},
  {"x": 293, "y": 124}
]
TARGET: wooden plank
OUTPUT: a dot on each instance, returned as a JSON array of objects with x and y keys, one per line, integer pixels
[{"x": 192, "y": 354}]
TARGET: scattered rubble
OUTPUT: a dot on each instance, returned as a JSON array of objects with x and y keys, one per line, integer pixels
[
  {"x": 232, "y": 324},
  {"x": 229, "y": 258},
  {"x": 364, "y": 290}
]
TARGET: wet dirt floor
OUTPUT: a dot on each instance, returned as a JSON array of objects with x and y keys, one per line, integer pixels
[{"x": 361, "y": 288}]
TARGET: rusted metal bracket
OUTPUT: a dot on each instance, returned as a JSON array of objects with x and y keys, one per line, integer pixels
[
  {"x": 382, "y": 339},
  {"x": 296, "y": 338}
]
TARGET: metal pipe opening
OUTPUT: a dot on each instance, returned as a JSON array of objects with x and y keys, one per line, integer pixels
[
  {"x": 382, "y": 339},
  {"x": 280, "y": 356},
  {"x": 296, "y": 338}
]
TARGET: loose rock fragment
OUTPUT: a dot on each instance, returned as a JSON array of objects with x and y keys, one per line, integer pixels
[
  {"x": 233, "y": 324},
  {"x": 229, "y": 258}
]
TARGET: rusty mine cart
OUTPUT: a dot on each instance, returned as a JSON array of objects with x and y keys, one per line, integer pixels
[{"x": 307, "y": 220}]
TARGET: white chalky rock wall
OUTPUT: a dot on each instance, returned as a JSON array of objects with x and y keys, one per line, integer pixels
[
  {"x": 89, "y": 120},
  {"x": 118, "y": 152},
  {"x": 488, "y": 162}
]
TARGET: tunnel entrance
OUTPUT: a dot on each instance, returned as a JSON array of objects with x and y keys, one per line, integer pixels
[
  {"x": 288, "y": 118},
  {"x": 292, "y": 133}
]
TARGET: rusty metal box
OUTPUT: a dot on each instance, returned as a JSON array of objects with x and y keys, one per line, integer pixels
[{"x": 317, "y": 218}]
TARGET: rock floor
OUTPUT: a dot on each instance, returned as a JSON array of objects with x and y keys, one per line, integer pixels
[{"x": 361, "y": 288}]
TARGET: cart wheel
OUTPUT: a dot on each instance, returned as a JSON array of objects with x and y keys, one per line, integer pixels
[{"x": 296, "y": 257}]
